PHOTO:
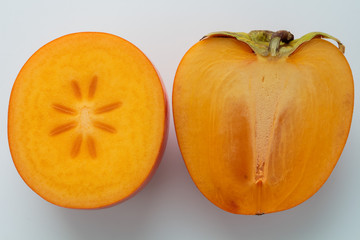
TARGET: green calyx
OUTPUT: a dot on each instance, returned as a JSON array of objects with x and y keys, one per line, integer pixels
[{"x": 274, "y": 44}]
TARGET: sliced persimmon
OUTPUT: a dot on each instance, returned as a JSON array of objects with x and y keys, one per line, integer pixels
[
  {"x": 262, "y": 119},
  {"x": 87, "y": 120}
]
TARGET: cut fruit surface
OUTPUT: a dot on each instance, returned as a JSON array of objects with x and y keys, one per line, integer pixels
[
  {"x": 87, "y": 121},
  {"x": 261, "y": 134}
]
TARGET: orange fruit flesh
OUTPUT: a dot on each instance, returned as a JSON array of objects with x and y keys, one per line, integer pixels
[
  {"x": 87, "y": 120},
  {"x": 261, "y": 135}
]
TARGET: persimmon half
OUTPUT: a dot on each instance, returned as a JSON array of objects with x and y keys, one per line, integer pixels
[
  {"x": 87, "y": 121},
  {"x": 261, "y": 119}
]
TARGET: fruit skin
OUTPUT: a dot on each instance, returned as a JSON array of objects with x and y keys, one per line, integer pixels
[
  {"x": 192, "y": 56},
  {"x": 164, "y": 134}
]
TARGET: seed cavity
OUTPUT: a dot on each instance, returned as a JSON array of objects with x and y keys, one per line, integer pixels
[
  {"x": 76, "y": 88},
  {"x": 91, "y": 146},
  {"x": 63, "y": 128},
  {"x": 104, "y": 126},
  {"x": 64, "y": 109},
  {"x": 76, "y": 146},
  {"x": 107, "y": 108},
  {"x": 92, "y": 87}
]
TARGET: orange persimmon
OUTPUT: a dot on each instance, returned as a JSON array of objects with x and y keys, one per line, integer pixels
[
  {"x": 88, "y": 120},
  {"x": 261, "y": 119}
]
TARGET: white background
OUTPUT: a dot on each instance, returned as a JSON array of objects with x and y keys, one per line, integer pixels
[{"x": 170, "y": 206}]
